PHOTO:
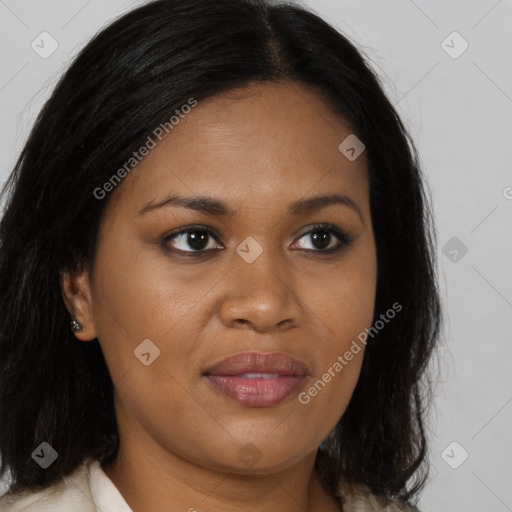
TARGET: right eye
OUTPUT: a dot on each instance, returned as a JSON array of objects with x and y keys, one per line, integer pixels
[{"x": 195, "y": 237}]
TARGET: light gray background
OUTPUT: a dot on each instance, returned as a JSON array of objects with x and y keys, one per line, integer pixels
[{"x": 458, "y": 110}]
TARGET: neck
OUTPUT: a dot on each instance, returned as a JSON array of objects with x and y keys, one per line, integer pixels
[{"x": 152, "y": 478}]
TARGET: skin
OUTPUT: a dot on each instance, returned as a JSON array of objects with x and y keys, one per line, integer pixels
[{"x": 258, "y": 149}]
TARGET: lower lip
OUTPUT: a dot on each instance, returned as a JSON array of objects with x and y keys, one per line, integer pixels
[{"x": 257, "y": 392}]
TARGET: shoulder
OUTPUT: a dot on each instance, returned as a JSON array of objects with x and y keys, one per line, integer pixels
[
  {"x": 71, "y": 493},
  {"x": 359, "y": 498}
]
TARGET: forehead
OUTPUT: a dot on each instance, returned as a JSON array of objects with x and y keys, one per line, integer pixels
[{"x": 252, "y": 146}]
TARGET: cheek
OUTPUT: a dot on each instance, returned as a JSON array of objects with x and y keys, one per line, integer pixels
[
  {"x": 343, "y": 304},
  {"x": 153, "y": 401},
  {"x": 340, "y": 350},
  {"x": 139, "y": 296},
  {"x": 343, "y": 298}
]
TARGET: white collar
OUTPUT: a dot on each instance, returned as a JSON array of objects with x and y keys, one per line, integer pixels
[{"x": 105, "y": 494}]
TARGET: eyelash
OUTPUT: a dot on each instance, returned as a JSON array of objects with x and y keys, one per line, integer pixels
[{"x": 344, "y": 239}]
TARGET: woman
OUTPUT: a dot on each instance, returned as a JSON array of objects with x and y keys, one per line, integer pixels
[{"x": 225, "y": 208}]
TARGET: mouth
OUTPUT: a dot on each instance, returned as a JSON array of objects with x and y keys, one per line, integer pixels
[{"x": 257, "y": 380}]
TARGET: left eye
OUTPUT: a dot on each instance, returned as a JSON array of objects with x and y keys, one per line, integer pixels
[{"x": 322, "y": 236}]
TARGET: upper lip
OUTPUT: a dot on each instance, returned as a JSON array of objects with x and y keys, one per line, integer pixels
[{"x": 257, "y": 362}]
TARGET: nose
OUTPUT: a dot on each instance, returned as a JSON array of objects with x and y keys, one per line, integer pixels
[{"x": 261, "y": 295}]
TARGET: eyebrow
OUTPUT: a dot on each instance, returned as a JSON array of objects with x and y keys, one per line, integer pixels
[{"x": 211, "y": 205}]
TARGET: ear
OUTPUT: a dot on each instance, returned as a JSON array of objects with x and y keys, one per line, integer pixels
[{"x": 77, "y": 295}]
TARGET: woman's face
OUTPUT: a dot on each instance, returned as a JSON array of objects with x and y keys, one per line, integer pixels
[{"x": 261, "y": 283}]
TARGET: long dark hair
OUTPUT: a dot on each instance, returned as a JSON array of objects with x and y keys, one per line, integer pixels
[{"x": 128, "y": 80}]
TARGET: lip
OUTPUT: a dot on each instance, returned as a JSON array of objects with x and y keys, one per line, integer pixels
[{"x": 283, "y": 375}]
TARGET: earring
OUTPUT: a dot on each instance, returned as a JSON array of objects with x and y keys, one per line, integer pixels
[{"x": 76, "y": 326}]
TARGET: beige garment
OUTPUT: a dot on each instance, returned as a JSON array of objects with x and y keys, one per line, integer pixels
[
  {"x": 88, "y": 489},
  {"x": 358, "y": 498}
]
